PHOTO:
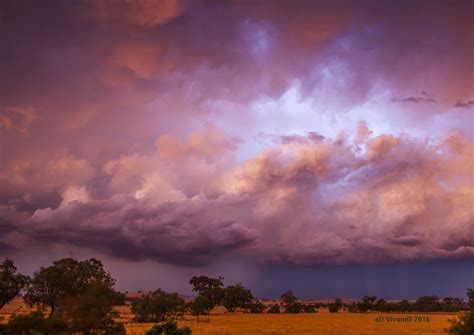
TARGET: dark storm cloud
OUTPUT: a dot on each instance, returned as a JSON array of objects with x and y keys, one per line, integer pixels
[
  {"x": 100, "y": 102},
  {"x": 178, "y": 233}
]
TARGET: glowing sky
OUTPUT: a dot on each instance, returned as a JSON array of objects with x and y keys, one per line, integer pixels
[{"x": 253, "y": 139}]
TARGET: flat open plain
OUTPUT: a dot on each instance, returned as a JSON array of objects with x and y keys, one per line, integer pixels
[{"x": 323, "y": 323}]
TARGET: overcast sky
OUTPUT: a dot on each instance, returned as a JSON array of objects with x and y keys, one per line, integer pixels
[{"x": 324, "y": 146}]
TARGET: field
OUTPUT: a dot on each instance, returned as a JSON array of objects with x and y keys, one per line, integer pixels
[{"x": 321, "y": 323}]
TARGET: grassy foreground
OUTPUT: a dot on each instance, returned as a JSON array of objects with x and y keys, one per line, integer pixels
[{"x": 322, "y": 323}]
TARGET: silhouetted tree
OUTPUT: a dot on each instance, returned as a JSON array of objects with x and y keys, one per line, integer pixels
[
  {"x": 168, "y": 328},
  {"x": 91, "y": 312},
  {"x": 211, "y": 288},
  {"x": 333, "y": 308},
  {"x": 157, "y": 306},
  {"x": 427, "y": 304},
  {"x": 35, "y": 323},
  {"x": 309, "y": 309},
  {"x": 65, "y": 278},
  {"x": 199, "y": 306},
  {"x": 11, "y": 282},
  {"x": 236, "y": 296},
  {"x": 465, "y": 324},
  {"x": 256, "y": 307},
  {"x": 338, "y": 303},
  {"x": 294, "y": 308},
  {"x": 274, "y": 309},
  {"x": 288, "y": 297}
]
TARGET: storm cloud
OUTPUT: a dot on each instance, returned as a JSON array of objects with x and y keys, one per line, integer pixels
[{"x": 184, "y": 132}]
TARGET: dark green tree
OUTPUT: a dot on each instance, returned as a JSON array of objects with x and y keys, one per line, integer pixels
[
  {"x": 168, "y": 328},
  {"x": 65, "y": 278},
  {"x": 333, "y": 308},
  {"x": 274, "y": 309},
  {"x": 92, "y": 311},
  {"x": 294, "y": 308},
  {"x": 236, "y": 296},
  {"x": 199, "y": 306},
  {"x": 256, "y": 307},
  {"x": 158, "y": 306},
  {"x": 465, "y": 324},
  {"x": 211, "y": 288},
  {"x": 309, "y": 309},
  {"x": 288, "y": 297},
  {"x": 35, "y": 323},
  {"x": 11, "y": 282}
]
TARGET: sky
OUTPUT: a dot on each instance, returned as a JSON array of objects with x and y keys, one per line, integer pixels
[{"x": 323, "y": 146}]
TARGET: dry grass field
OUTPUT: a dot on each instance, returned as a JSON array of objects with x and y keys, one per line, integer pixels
[{"x": 321, "y": 323}]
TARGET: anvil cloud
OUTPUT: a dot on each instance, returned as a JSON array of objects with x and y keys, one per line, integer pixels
[{"x": 184, "y": 132}]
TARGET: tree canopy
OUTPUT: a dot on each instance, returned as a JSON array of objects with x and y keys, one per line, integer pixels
[
  {"x": 65, "y": 278},
  {"x": 158, "y": 306},
  {"x": 11, "y": 282},
  {"x": 236, "y": 296},
  {"x": 211, "y": 288}
]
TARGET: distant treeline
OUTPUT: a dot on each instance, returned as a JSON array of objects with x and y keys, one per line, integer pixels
[
  {"x": 78, "y": 297},
  {"x": 423, "y": 304}
]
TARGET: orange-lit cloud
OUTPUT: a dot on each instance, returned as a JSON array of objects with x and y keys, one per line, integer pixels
[{"x": 236, "y": 128}]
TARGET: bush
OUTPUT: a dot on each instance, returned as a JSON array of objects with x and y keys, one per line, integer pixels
[
  {"x": 275, "y": 309},
  {"x": 236, "y": 296},
  {"x": 168, "y": 328},
  {"x": 333, "y": 308},
  {"x": 465, "y": 324},
  {"x": 35, "y": 322},
  {"x": 158, "y": 306},
  {"x": 309, "y": 309},
  {"x": 294, "y": 308},
  {"x": 256, "y": 307},
  {"x": 199, "y": 306}
]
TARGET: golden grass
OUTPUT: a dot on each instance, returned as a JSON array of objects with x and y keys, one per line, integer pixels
[{"x": 322, "y": 323}]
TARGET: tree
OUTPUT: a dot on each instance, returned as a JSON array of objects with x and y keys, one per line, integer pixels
[
  {"x": 236, "y": 296},
  {"x": 11, "y": 282},
  {"x": 63, "y": 279},
  {"x": 256, "y": 307},
  {"x": 288, "y": 297},
  {"x": 294, "y": 308},
  {"x": 168, "y": 328},
  {"x": 367, "y": 303},
  {"x": 275, "y": 309},
  {"x": 35, "y": 323},
  {"x": 333, "y": 308},
  {"x": 309, "y": 309},
  {"x": 199, "y": 306},
  {"x": 92, "y": 311},
  {"x": 290, "y": 302},
  {"x": 157, "y": 306},
  {"x": 338, "y": 303},
  {"x": 211, "y": 288},
  {"x": 427, "y": 304},
  {"x": 465, "y": 324}
]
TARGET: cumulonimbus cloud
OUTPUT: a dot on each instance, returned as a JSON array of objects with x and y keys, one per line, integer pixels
[{"x": 306, "y": 200}]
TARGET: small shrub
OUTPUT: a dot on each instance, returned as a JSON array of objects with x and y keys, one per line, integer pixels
[
  {"x": 35, "y": 322},
  {"x": 309, "y": 309},
  {"x": 333, "y": 308},
  {"x": 294, "y": 308},
  {"x": 256, "y": 307},
  {"x": 168, "y": 328},
  {"x": 275, "y": 309}
]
